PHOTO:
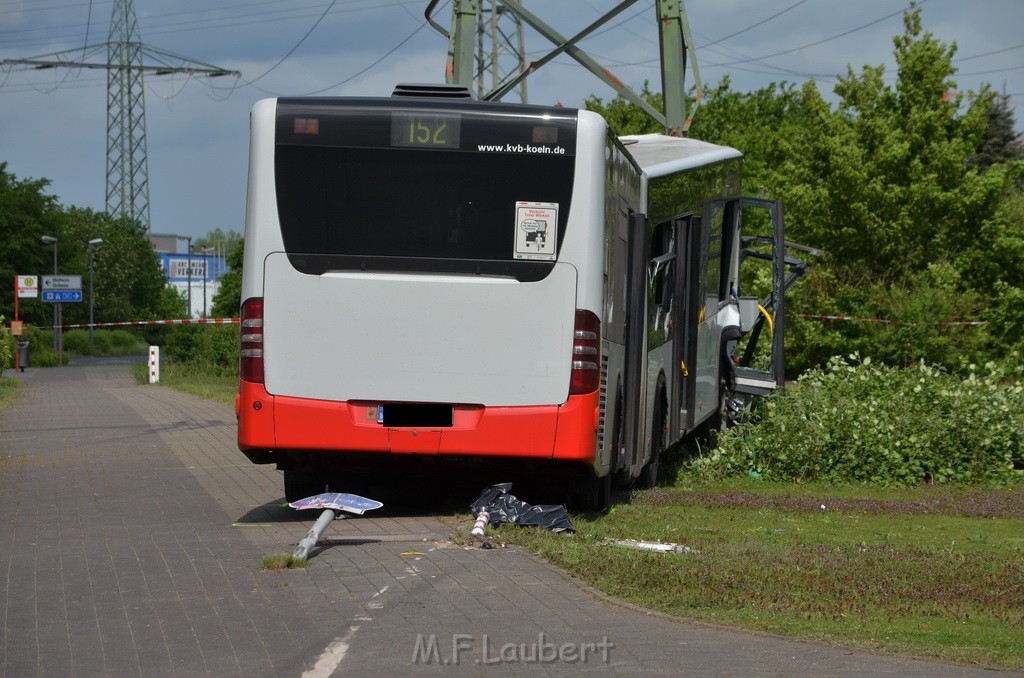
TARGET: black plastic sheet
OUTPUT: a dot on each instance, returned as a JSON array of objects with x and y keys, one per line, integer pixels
[{"x": 506, "y": 508}]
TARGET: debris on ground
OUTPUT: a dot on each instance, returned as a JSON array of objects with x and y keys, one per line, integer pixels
[
  {"x": 655, "y": 546},
  {"x": 503, "y": 507}
]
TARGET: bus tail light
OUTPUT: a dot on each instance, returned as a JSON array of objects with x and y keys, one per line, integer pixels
[
  {"x": 586, "y": 354},
  {"x": 251, "y": 365}
]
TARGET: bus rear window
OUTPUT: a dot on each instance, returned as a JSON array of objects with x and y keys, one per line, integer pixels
[{"x": 398, "y": 209}]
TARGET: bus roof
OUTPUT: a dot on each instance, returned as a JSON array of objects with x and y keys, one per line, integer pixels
[{"x": 660, "y": 155}]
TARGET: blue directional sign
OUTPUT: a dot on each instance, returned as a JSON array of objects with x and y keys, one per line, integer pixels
[
  {"x": 341, "y": 501},
  {"x": 62, "y": 295}
]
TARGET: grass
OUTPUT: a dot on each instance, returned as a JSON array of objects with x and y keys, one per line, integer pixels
[
  {"x": 283, "y": 561},
  {"x": 191, "y": 380},
  {"x": 934, "y": 571},
  {"x": 931, "y": 573},
  {"x": 8, "y": 390}
]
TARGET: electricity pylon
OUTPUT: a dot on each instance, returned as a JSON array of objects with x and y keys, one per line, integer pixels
[
  {"x": 500, "y": 49},
  {"x": 125, "y": 61},
  {"x": 674, "y": 37}
]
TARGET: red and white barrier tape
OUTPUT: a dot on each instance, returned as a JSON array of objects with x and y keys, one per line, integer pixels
[
  {"x": 235, "y": 321},
  {"x": 970, "y": 323},
  {"x": 185, "y": 321}
]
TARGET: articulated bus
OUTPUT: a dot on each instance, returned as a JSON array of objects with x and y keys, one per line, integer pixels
[{"x": 433, "y": 279}]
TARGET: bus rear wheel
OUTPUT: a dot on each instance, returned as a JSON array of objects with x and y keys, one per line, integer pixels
[
  {"x": 594, "y": 496},
  {"x": 304, "y": 481},
  {"x": 659, "y": 439}
]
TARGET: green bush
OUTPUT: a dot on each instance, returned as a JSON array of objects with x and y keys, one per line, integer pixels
[
  {"x": 914, "y": 310},
  {"x": 41, "y": 353},
  {"x": 858, "y": 421},
  {"x": 6, "y": 346},
  {"x": 105, "y": 342},
  {"x": 213, "y": 349}
]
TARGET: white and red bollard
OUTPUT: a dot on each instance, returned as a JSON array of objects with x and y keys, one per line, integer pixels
[
  {"x": 154, "y": 364},
  {"x": 481, "y": 523}
]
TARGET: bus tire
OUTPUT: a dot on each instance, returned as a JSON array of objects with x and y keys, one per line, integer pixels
[
  {"x": 595, "y": 495},
  {"x": 659, "y": 438},
  {"x": 302, "y": 482},
  {"x": 619, "y": 465}
]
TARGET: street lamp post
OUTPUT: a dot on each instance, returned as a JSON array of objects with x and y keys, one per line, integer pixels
[
  {"x": 93, "y": 244},
  {"x": 206, "y": 272},
  {"x": 57, "y": 343},
  {"x": 189, "y": 239}
]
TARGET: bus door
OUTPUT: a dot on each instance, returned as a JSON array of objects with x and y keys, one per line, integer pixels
[
  {"x": 712, "y": 261},
  {"x": 636, "y": 341},
  {"x": 683, "y": 332},
  {"x": 762, "y": 243},
  {"x": 759, "y": 365}
]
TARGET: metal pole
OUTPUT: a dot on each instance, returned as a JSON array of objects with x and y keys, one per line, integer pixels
[
  {"x": 56, "y": 307},
  {"x": 309, "y": 541},
  {"x": 206, "y": 273},
  {"x": 60, "y": 334},
  {"x": 190, "y": 276},
  {"x": 91, "y": 296},
  {"x": 93, "y": 244}
]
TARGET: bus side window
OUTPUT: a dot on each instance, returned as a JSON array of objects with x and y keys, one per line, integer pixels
[
  {"x": 661, "y": 278},
  {"x": 662, "y": 271}
]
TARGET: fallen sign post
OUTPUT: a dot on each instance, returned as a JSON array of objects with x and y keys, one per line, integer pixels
[{"x": 330, "y": 502}]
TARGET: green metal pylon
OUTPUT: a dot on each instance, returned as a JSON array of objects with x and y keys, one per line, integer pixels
[
  {"x": 127, "y": 162},
  {"x": 127, "y": 184}
]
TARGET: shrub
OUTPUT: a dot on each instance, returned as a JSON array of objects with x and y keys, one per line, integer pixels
[
  {"x": 7, "y": 345},
  {"x": 41, "y": 353},
  {"x": 915, "y": 309},
  {"x": 105, "y": 342},
  {"x": 858, "y": 421},
  {"x": 213, "y": 349}
]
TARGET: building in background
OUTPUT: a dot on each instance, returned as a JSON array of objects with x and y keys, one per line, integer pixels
[{"x": 196, "y": 274}]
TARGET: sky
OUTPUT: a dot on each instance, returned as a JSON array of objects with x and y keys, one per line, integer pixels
[{"x": 53, "y": 121}]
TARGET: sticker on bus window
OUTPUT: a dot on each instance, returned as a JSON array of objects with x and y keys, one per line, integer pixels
[{"x": 536, "y": 230}]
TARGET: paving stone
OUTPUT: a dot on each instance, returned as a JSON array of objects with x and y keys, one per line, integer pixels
[{"x": 131, "y": 536}]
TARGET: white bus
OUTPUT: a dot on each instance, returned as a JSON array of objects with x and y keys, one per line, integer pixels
[{"x": 429, "y": 278}]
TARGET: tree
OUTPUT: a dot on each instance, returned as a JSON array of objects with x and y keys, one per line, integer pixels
[
  {"x": 759, "y": 123},
  {"x": 623, "y": 117},
  {"x": 889, "y": 184},
  {"x": 228, "y": 299},
  {"x": 128, "y": 282},
  {"x": 882, "y": 184},
  {"x": 218, "y": 239},
  {"x": 1001, "y": 142},
  {"x": 26, "y": 214}
]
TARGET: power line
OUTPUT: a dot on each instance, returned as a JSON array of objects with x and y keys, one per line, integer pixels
[
  {"x": 994, "y": 70},
  {"x": 320, "y": 18},
  {"x": 385, "y": 56},
  {"x": 157, "y": 24},
  {"x": 820, "y": 42},
  {"x": 752, "y": 26},
  {"x": 985, "y": 54},
  {"x": 251, "y": 83},
  {"x": 292, "y": 50}
]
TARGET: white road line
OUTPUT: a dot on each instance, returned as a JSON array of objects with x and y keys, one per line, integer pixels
[{"x": 330, "y": 659}]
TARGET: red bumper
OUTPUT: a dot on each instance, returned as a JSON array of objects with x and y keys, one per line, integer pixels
[{"x": 567, "y": 432}]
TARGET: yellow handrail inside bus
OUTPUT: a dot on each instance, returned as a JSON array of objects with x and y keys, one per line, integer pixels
[{"x": 768, "y": 317}]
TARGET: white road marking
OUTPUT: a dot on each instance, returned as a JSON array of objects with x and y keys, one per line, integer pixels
[{"x": 330, "y": 659}]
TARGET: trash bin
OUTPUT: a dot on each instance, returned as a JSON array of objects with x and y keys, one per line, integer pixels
[{"x": 23, "y": 355}]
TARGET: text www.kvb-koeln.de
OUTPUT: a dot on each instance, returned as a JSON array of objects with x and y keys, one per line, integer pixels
[{"x": 520, "y": 148}]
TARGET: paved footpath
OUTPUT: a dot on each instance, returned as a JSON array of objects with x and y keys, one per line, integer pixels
[{"x": 131, "y": 533}]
